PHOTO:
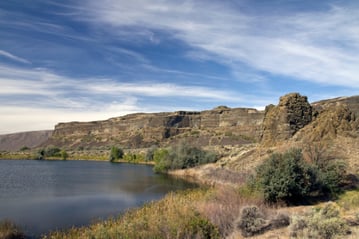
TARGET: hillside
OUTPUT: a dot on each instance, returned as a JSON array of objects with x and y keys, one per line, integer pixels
[
  {"x": 328, "y": 127},
  {"x": 31, "y": 139}
]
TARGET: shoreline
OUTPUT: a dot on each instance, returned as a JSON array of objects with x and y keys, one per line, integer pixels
[{"x": 24, "y": 156}]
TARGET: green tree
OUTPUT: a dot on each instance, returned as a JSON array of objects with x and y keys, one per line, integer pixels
[
  {"x": 40, "y": 155},
  {"x": 64, "y": 154},
  {"x": 162, "y": 160},
  {"x": 116, "y": 153}
]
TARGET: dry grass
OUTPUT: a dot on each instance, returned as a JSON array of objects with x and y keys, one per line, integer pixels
[
  {"x": 175, "y": 216},
  {"x": 9, "y": 230},
  {"x": 222, "y": 209}
]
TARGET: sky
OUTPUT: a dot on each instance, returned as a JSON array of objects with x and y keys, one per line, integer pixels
[{"x": 85, "y": 60}]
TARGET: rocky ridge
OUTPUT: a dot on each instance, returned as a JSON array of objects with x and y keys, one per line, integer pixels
[
  {"x": 281, "y": 122},
  {"x": 220, "y": 126},
  {"x": 217, "y": 127},
  {"x": 332, "y": 125},
  {"x": 292, "y": 119}
]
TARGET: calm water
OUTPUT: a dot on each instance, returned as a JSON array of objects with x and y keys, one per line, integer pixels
[{"x": 46, "y": 195}]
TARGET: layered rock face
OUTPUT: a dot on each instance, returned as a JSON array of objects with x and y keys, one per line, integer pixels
[
  {"x": 221, "y": 125},
  {"x": 293, "y": 116},
  {"x": 281, "y": 122},
  {"x": 332, "y": 121}
]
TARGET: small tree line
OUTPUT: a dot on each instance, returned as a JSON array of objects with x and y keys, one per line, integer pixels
[
  {"x": 51, "y": 152},
  {"x": 180, "y": 156}
]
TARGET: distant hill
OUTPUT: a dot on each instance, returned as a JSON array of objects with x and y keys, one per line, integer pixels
[{"x": 31, "y": 139}]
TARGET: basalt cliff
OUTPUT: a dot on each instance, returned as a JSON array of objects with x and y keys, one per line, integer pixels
[
  {"x": 292, "y": 119},
  {"x": 220, "y": 126}
]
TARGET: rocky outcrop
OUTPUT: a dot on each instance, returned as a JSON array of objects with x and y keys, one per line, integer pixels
[
  {"x": 281, "y": 122},
  {"x": 220, "y": 126},
  {"x": 14, "y": 142},
  {"x": 333, "y": 121}
]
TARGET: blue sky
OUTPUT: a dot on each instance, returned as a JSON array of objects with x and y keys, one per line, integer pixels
[{"x": 91, "y": 60}]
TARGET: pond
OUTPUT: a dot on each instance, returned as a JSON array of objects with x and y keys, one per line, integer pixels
[{"x": 41, "y": 196}]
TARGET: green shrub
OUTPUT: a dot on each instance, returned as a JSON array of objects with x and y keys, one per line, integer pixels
[
  {"x": 329, "y": 177},
  {"x": 180, "y": 157},
  {"x": 53, "y": 152},
  {"x": 133, "y": 157},
  {"x": 151, "y": 153},
  {"x": 289, "y": 178},
  {"x": 280, "y": 220},
  {"x": 285, "y": 177},
  {"x": 251, "y": 221},
  {"x": 324, "y": 222},
  {"x": 199, "y": 227},
  {"x": 64, "y": 154},
  {"x": 162, "y": 161},
  {"x": 40, "y": 154},
  {"x": 115, "y": 153}
]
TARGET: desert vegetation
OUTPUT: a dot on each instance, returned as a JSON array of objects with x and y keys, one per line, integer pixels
[
  {"x": 255, "y": 208},
  {"x": 320, "y": 222},
  {"x": 115, "y": 153},
  {"x": 9, "y": 230},
  {"x": 289, "y": 178},
  {"x": 181, "y": 156},
  {"x": 51, "y": 153},
  {"x": 175, "y": 216}
]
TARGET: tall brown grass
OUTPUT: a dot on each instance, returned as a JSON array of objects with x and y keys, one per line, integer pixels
[
  {"x": 8, "y": 230},
  {"x": 175, "y": 216},
  {"x": 224, "y": 207}
]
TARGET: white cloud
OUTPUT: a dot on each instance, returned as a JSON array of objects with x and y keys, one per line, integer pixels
[
  {"x": 159, "y": 90},
  {"x": 315, "y": 46},
  {"x": 34, "y": 99},
  {"x": 13, "y": 57}
]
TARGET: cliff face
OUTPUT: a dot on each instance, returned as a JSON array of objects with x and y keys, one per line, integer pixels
[
  {"x": 219, "y": 126},
  {"x": 293, "y": 118}
]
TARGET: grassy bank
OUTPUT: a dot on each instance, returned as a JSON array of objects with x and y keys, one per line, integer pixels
[
  {"x": 196, "y": 213},
  {"x": 226, "y": 213},
  {"x": 175, "y": 216},
  {"x": 74, "y": 155}
]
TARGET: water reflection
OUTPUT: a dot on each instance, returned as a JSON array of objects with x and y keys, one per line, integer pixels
[{"x": 43, "y": 195}]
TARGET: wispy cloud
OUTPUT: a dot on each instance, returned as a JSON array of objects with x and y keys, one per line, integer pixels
[
  {"x": 317, "y": 46},
  {"x": 13, "y": 57},
  {"x": 38, "y": 98}
]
